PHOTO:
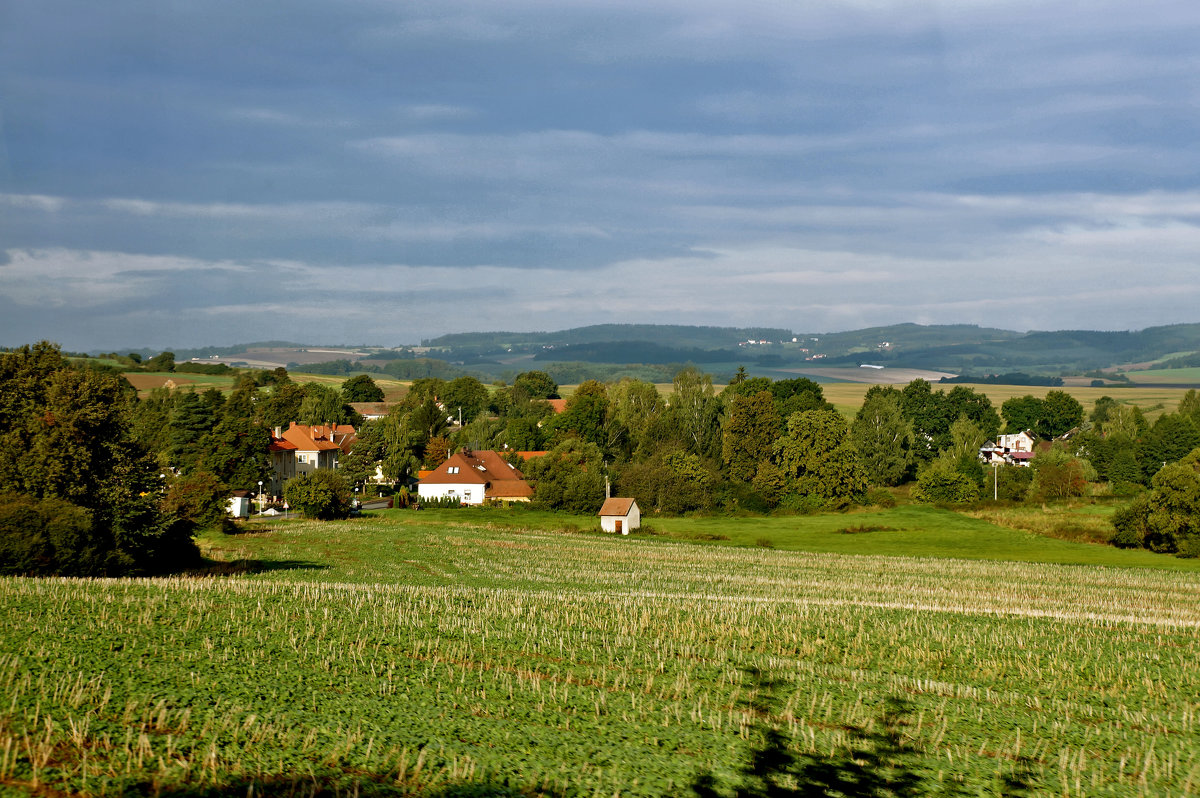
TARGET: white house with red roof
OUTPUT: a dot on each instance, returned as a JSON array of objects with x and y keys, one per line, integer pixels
[
  {"x": 302, "y": 449},
  {"x": 1015, "y": 449},
  {"x": 473, "y": 478}
]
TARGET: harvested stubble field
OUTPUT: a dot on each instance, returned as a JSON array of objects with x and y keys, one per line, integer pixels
[{"x": 406, "y": 653}]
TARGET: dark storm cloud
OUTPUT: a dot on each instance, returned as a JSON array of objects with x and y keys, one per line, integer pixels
[{"x": 177, "y": 172}]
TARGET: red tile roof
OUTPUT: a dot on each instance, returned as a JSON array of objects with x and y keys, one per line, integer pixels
[
  {"x": 316, "y": 438},
  {"x": 488, "y": 468}
]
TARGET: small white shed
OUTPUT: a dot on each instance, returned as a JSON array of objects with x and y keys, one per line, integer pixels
[
  {"x": 240, "y": 505},
  {"x": 620, "y": 515}
]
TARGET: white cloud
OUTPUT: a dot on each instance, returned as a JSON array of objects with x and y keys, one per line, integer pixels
[
  {"x": 37, "y": 202},
  {"x": 60, "y": 278}
]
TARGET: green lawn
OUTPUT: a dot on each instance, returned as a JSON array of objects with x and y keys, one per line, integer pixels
[{"x": 906, "y": 531}]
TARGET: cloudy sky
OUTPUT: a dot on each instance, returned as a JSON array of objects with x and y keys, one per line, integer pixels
[{"x": 371, "y": 171}]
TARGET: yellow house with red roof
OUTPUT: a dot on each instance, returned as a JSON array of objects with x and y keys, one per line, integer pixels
[{"x": 303, "y": 448}]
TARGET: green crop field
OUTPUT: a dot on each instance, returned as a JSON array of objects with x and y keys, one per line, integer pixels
[
  {"x": 406, "y": 652},
  {"x": 1168, "y": 376}
]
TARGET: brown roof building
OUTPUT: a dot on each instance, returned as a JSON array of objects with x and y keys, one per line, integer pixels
[
  {"x": 474, "y": 477},
  {"x": 301, "y": 449},
  {"x": 620, "y": 515}
]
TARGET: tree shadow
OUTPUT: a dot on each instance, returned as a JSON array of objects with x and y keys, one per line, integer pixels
[
  {"x": 327, "y": 785},
  {"x": 253, "y": 566},
  {"x": 875, "y": 763}
]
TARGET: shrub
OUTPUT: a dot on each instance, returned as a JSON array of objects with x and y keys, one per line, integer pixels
[
  {"x": 942, "y": 483},
  {"x": 806, "y": 504},
  {"x": 50, "y": 536},
  {"x": 1012, "y": 482},
  {"x": 1058, "y": 475},
  {"x": 740, "y": 497},
  {"x": 879, "y": 497},
  {"x": 323, "y": 495},
  {"x": 198, "y": 499},
  {"x": 1167, "y": 518}
]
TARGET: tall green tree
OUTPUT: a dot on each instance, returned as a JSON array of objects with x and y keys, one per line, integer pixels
[
  {"x": 66, "y": 436},
  {"x": 1189, "y": 406},
  {"x": 191, "y": 427},
  {"x": 924, "y": 409},
  {"x": 238, "y": 449},
  {"x": 1022, "y": 413},
  {"x": 1126, "y": 420},
  {"x": 1170, "y": 438},
  {"x": 535, "y": 385},
  {"x": 1061, "y": 413},
  {"x": 465, "y": 395},
  {"x": 638, "y": 408},
  {"x": 366, "y": 455},
  {"x": 586, "y": 414},
  {"x": 281, "y": 406},
  {"x": 818, "y": 458},
  {"x": 798, "y": 395},
  {"x": 883, "y": 438},
  {"x": 749, "y": 434},
  {"x": 964, "y": 402},
  {"x": 324, "y": 405},
  {"x": 695, "y": 412},
  {"x": 361, "y": 388},
  {"x": 570, "y": 477}
]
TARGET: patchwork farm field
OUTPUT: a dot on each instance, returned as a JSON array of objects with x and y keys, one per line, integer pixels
[{"x": 445, "y": 654}]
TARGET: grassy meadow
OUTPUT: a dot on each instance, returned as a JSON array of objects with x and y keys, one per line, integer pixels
[{"x": 416, "y": 652}]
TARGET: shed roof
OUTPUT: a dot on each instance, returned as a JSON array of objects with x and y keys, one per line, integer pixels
[{"x": 617, "y": 506}]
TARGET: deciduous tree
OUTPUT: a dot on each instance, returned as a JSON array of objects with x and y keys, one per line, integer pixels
[
  {"x": 750, "y": 432},
  {"x": 570, "y": 477},
  {"x": 324, "y": 495},
  {"x": 883, "y": 438},
  {"x": 818, "y": 458},
  {"x": 361, "y": 388}
]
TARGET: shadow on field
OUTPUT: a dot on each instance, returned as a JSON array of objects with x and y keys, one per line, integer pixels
[
  {"x": 334, "y": 785},
  {"x": 251, "y": 566},
  {"x": 875, "y": 764}
]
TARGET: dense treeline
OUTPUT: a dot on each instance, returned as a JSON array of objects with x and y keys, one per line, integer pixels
[
  {"x": 102, "y": 483},
  {"x": 1008, "y": 378},
  {"x": 81, "y": 496},
  {"x": 645, "y": 352},
  {"x": 759, "y": 444}
]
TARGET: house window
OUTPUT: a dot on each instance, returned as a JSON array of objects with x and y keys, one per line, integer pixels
[
  {"x": 467, "y": 495},
  {"x": 452, "y": 470}
]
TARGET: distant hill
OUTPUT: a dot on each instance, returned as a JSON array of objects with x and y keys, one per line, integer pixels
[
  {"x": 668, "y": 335},
  {"x": 605, "y": 350}
]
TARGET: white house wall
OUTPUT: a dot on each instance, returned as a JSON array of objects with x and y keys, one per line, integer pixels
[{"x": 467, "y": 493}]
